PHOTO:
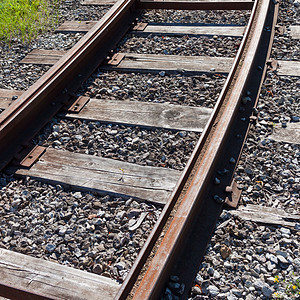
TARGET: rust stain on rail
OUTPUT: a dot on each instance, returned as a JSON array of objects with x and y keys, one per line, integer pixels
[
  {"x": 155, "y": 276},
  {"x": 43, "y": 99}
]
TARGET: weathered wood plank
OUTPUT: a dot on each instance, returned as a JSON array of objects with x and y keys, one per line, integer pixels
[
  {"x": 173, "y": 29},
  {"x": 43, "y": 57},
  {"x": 147, "y": 62},
  {"x": 290, "y": 134},
  {"x": 88, "y": 172},
  {"x": 194, "y": 5},
  {"x": 172, "y": 63},
  {"x": 295, "y": 32},
  {"x": 266, "y": 215},
  {"x": 99, "y": 2},
  {"x": 51, "y": 279},
  {"x": 6, "y": 97},
  {"x": 76, "y": 26},
  {"x": 145, "y": 114},
  {"x": 165, "y": 29},
  {"x": 229, "y": 4},
  {"x": 289, "y": 68}
]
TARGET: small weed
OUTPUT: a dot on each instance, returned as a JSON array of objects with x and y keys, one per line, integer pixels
[
  {"x": 122, "y": 177},
  {"x": 292, "y": 289},
  {"x": 25, "y": 19}
]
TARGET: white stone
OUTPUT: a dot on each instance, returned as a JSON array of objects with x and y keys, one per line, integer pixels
[{"x": 213, "y": 290}]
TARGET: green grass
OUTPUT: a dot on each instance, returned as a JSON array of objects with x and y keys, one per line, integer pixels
[{"x": 25, "y": 19}]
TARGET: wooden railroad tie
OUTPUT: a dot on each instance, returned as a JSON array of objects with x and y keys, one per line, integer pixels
[{"x": 128, "y": 62}]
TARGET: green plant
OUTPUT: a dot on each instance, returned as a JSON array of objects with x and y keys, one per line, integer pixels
[
  {"x": 292, "y": 288},
  {"x": 25, "y": 19},
  {"x": 277, "y": 295},
  {"x": 122, "y": 177}
]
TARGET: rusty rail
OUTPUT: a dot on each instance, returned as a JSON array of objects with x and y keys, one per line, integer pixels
[
  {"x": 194, "y": 193},
  {"x": 36, "y": 106},
  {"x": 23, "y": 119}
]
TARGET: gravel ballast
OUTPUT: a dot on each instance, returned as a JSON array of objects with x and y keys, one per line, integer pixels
[
  {"x": 82, "y": 230},
  {"x": 188, "y": 46},
  {"x": 200, "y": 90},
  {"x": 14, "y": 75},
  {"x": 92, "y": 232},
  {"x": 245, "y": 259},
  {"x": 202, "y": 17},
  {"x": 152, "y": 147}
]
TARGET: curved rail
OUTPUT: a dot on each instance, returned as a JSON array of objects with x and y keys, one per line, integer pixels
[
  {"x": 192, "y": 189},
  {"x": 55, "y": 89}
]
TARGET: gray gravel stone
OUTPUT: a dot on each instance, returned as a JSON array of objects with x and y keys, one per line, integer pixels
[
  {"x": 267, "y": 292},
  {"x": 208, "y": 17},
  {"x": 186, "y": 45},
  {"x": 200, "y": 90},
  {"x": 213, "y": 290},
  {"x": 132, "y": 144},
  {"x": 232, "y": 297},
  {"x": 282, "y": 259},
  {"x": 63, "y": 227},
  {"x": 236, "y": 292},
  {"x": 258, "y": 284}
]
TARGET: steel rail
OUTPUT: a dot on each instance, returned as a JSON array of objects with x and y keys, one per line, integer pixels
[
  {"x": 35, "y": 107},
  {"x": 55, "y": 89},
  {"x": 23, "y": 119},
  {"x": 216, "y": 131},
  {"x": 188, "y": 263},
  {"x": 43, "y": 99}
]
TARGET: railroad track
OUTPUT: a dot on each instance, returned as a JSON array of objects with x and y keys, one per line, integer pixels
[{"x": 192, "y": 199}]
